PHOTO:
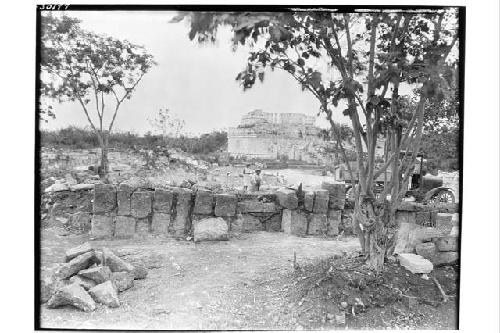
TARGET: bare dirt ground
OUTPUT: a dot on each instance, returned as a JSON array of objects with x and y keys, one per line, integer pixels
[{"x": 222, "y": 285}]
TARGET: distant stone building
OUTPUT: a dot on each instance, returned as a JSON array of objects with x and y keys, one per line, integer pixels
[{"x": 263, "y": 135}]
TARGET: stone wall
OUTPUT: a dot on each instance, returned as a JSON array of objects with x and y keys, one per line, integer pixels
[
  {"x": 430, "y": 231},
  {"x": 123, "y": 211}
]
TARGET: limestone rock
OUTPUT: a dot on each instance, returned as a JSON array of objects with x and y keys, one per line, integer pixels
[
  {"x": 49, "y": 284},
  {"x": 83, "y": 281},
  {"x": 287, "y": 198},
  {"x": 294, "y": 222},
  {"x": 104, "y": 198},
  {"x": 447, "y": 244},
  {"x": 426, "y": 250},
  {"x": 81, "y": 187},
  {"x": 123, "y": 198},
  {"x": 317, "y": 225},
  {"x": 78, "y": 250},
  {"x": 163, "y": 200},
  {"x": 73, "y": 295},
  {"x": 415, "y": 263},
  {"x": 203, "y": 202},
  {"x": 160, "y": 223},
  {"x": 336, "y": 193},
  {"x": 122, "y": 280},
  {"x": 124, "y": 226},
  {"x": 115, "y": 263},
  {"x": 140, "y": 271},
  {"x": 76, "y": 264},
  {"x": 321, "y": 198},
  {"x": 445, "y": 258},
  {"x": 333, "y": 222},
  {"x": 105, "y": 293},
  {"x": 250, "y": 206},
  {"x": 99, "y": 274},
  {"x": 57, "y": 188},
  {"x": 211, "y": 229},
  {"x": 102, "y": 226},
  {"x": 309, "y": 201},
  {"x": 141, "y": 204},
  {"x": 225, "y": 205}
]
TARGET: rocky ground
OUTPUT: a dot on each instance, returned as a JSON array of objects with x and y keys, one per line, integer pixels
[{"x": 251, "y": 282}]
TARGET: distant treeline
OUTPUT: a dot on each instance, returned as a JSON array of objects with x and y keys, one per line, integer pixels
[{"x": 81, "y": 138}]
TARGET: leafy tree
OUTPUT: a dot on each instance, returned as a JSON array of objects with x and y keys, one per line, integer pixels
[
  {"x": 78, "y": 65},
  {"x": 355, "y": 62}
]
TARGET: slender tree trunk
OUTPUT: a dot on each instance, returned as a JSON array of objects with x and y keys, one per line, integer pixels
[{"x": 104, "y": 167}]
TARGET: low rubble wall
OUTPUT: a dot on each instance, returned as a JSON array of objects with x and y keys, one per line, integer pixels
[{"x": 124, "y": 211}]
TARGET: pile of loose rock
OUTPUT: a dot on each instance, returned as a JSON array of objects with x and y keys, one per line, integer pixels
[{"x": 89, "y": 276}]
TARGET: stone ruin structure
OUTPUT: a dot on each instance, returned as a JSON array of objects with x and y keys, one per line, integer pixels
[{"x": 263, "y": 135}]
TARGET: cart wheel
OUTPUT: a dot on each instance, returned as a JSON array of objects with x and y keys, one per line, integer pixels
[{"x": 445, "y": 197}]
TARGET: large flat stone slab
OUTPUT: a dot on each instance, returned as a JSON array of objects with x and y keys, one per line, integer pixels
[{"x": 415, "y": 263}]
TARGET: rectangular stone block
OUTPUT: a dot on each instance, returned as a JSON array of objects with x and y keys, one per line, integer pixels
[
  {"x": 249, "y": 223},
  {"x": 321, "y": 198},
  {"x": 444, "y": 223},
  {"x": 225, "y": 205},
  {"x": 287, "y": 198},
  {"x": 273, "y": 223},
  {"x": 256, "y": 207},
  {"x": 445, "y": 258},
  {"x": 160, "y": 223},
  {"x": 334, "y": 218},
  {"x": 141, "y": 204},
  {"x": 423, "y": 219},
  {"x": 143, "y": 226},
  {"x": 426, "y": 250},
  {"x": 124, "y": 226},
  {"x": 123, "y": 198},
  {"x": 309, "y": 201},
  {"x": 402, "y": 216},
  {"x": 162, "y": 202},
  {"x": 203, "y": 202},
  {"x": 447, "y": 244},
  {"x": 336, "y": 195},
  {"x": 317, "y": 225},
  {"x": 294, "y": 222},
  {"x": 102, "y": 226},
  {"x": 104, "y": 198}
]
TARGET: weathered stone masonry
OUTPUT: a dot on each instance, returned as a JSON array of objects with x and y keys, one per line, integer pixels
[{"x": 125, "y": 211}]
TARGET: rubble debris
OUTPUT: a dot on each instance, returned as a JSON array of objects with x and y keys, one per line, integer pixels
[
  {"x": 78, "y": 250},
  {"x": 105, "y": 293},
  {"x": 73, "y": 295},
  {"x": 99, "y": 274}
]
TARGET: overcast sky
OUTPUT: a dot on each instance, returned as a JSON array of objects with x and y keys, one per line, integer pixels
[{"x": 197, "y": 82}]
